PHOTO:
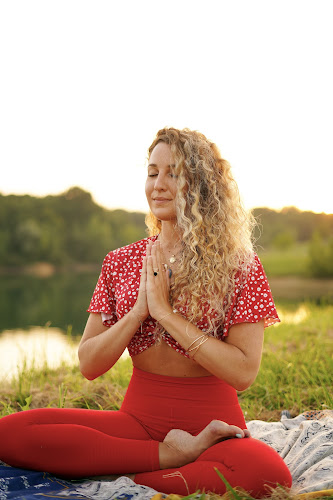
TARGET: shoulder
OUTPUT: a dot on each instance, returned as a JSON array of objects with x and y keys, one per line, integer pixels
[
  {"x": 250, "y": 267},
  {"x": 253, "y": 278}
]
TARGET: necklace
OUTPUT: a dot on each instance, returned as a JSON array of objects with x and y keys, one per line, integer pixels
[{"x": 173, "y": 257}]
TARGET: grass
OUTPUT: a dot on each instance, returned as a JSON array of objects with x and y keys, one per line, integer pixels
[
  {"x": 293, "y": 261},
  {"x": 296, "y": 374}
]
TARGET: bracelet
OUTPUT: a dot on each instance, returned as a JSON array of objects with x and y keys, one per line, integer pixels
[
  {"x": 194, "y": 341},
  {"x": 141, "y": 322},
  {"x": 159, "y": 320},
  {"x": 197, "y": 347}
]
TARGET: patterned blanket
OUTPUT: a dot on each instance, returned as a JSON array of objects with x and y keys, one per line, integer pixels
[{"x": 305, "y": 443}]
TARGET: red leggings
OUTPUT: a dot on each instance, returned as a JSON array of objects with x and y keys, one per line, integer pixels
[{"x": 77, "y": 443}]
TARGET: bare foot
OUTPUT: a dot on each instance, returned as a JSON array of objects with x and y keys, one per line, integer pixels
[{"x": 180, "y": 448}]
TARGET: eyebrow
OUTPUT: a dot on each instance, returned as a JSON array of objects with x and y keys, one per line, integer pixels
[{"x": 154, "y": 165}]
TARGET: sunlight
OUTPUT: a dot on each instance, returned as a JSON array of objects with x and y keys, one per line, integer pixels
[{"x": 293, "y": 318}]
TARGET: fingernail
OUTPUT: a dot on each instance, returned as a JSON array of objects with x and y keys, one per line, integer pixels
[{"x": 239, "y": 436}]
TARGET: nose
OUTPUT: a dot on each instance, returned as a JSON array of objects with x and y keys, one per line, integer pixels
[{"x": 160, "y": 182}]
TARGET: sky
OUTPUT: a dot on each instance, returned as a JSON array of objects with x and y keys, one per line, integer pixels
[{"x": 85, "y": 86}]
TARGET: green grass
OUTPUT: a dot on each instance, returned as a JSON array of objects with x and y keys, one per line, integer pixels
[
  {"x": 291, "y": 262},
  {"x": 296, "y": 374}
]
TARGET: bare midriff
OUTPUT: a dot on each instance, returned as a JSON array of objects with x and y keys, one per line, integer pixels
[{"x": 162, "y": 359}]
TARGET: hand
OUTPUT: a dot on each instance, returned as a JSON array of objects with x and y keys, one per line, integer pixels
[
  {"x": 140, "y": 307},
  {"x": 158, "y": 287}
]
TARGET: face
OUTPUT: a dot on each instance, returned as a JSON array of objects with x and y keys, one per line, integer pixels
[{"x": 161, "y": 184}]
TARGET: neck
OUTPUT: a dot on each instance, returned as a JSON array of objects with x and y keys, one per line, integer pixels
[{"x": 170, "y": 236}]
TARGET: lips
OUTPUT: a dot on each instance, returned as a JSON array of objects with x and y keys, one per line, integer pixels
[{"x": 161, "y": 199}]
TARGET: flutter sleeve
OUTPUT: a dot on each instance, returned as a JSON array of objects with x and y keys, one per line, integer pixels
[
  {"x": 103, "y": 300},
  {"x": 252, "y": 300}
]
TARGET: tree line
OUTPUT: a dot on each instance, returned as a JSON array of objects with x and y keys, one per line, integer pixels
[{"x": 70, "y": 228}]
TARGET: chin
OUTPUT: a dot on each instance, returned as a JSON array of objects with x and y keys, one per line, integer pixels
[{"x": 163, "y": 215}]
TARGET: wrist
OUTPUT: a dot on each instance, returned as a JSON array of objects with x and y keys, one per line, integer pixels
[
  {"x": 164, "y": 313},
  {"x": 136, "y": 314}
]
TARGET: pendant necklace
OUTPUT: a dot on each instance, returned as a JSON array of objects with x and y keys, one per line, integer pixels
[{"x": 172, "y": 259}]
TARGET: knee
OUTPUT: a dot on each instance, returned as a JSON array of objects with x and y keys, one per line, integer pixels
[
  {"x": 14, "y": 435},
  {"x": 250, "y": 464}
]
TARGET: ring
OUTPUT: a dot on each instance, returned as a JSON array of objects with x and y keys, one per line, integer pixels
[{"x": 155, "y": 273}]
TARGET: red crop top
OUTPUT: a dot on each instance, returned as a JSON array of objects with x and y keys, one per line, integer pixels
[{"x": 118, "y": 284}]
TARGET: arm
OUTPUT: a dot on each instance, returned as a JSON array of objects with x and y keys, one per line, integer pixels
[
  {"x": 236, "y": 360},
  {"x": 100, "y": 346}
]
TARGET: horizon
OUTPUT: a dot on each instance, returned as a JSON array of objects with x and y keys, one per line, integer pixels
[
  {"x": 286, "y": 207},
  {"x": 82, "y": 108}
]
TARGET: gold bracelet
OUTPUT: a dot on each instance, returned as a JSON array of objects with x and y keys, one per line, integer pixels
[
  {"x": 197, "y": 347},
  {"x": 194, "y": 341},
  {"x": 159, "y": 320}
]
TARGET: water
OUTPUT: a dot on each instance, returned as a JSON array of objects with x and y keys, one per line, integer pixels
[{"x": 38, "y": 314}]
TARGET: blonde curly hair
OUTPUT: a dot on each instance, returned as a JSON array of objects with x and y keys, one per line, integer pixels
[{"x": 216, "y": 230}]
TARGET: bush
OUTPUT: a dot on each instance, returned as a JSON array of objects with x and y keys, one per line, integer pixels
[{"x": 321, "y": 256}]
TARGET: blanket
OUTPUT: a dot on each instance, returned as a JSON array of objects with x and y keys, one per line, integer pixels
[
  {"x": 306, "y": 445},
  {"x": 304, "y": 442}
]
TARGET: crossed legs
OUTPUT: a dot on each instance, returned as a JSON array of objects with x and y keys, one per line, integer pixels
[{"x": 77, "y": 443}]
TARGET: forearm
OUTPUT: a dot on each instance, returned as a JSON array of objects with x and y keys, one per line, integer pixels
[
  {"x": 226, "y": 361},
  {"x": 99, "y": 353}
]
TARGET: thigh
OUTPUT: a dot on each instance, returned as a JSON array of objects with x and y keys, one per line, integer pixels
[{"x": 112, "y": 423}]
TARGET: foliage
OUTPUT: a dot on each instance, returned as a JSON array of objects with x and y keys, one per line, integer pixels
[
  {"x": 321, "y": 255},
  {"x": 62, "y": 229},
  {"x": 291, "y": 225},
  {"x": 71, "y": 228}
]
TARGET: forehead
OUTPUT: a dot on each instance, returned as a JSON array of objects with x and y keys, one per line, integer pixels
[{"x": 161, "y": 155}]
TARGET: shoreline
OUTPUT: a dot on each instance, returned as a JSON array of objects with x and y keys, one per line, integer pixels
[{"x": 45, "y": 269}]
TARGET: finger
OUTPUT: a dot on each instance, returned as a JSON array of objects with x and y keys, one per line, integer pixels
[
  {"x": 155, "y": 265},
  {"x": 148, "y": 249},
  {"x": 162, "y": 266},
  {"x": 144, "y": 269},
  {"x": 150, "y": 272}
]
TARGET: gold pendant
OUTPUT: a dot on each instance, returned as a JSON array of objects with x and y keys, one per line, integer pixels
[{"x": 172, "y": 259}]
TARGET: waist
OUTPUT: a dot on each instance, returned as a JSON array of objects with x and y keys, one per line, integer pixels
[{"x": 200, "y": 390}]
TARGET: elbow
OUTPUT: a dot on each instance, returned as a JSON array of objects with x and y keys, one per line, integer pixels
[
  {"x": 244, "y": 382},
  {"x": 91, "y": 369},
  {"x": 88, "y": 374},
  {"x": 85, "y": 367},
  {"x": 242, "y": 385}
]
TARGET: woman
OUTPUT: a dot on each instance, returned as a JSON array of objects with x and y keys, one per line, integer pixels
[{"x": 190, "y": 302}]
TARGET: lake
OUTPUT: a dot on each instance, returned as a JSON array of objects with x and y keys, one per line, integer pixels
[{"x": 42, "y": 319}]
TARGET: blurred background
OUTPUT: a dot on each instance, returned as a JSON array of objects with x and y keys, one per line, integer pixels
[{"x": 86, "y": 86}]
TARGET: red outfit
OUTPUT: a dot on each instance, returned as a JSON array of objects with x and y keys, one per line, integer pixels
[
  {"x": 118, "y": 285},
  {"x": 78, "y": 443}
]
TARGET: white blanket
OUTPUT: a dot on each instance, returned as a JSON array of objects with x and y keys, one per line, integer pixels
[{"x": 306, "y": 445}]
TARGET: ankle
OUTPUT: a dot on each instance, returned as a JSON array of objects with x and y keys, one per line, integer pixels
[{"x": 170, "y": 457}]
